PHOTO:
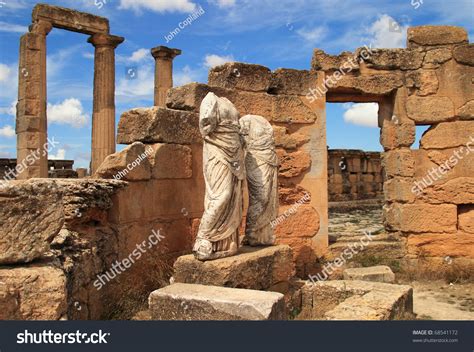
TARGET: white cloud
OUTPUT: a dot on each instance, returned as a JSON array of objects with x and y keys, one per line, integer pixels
[
  {"x": 11, "y": 110},
  {"x": 187, "y": 75},
  {"x": 212, "y": 60},
  {"x": 139, "y": 55},
  {"x": 6, "y": 73},
  {"x": 140, "y": 87},
  {"x": 223, "y": 3},
  {"x": 158, "y": 5},
  {"x": 313, "y": 35},
  {"x": 60, "y": 155},
  {"x": 69, "y": 112},
  {"x": 7, "y": 131},
  {"x": 12, "y": 28},
  {"x": 387, "y": 33},
  {"x": 364, "y": 114}
]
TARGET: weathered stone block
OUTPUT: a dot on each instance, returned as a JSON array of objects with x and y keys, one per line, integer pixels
[
  {"x": 399, "y": 190},
  {"x": 293, "y": 164},
  {"x": 31, "y": 215},
  {"x": 253, "y": 268},
  {"x": 237, "y": 75},
  {"x": 198, "y": 302},
  {"x": 464, "y": 54},
  {"x": 325, "y": 62},
  {"x": 466, "y": 218},
  {"x": 297, "y": 220},
  {"x": 466, "y": 112},
  {"x": 382, "y": 84},
  {"x": 130, "y": 164},
  {"x": 72, "y": 20},
  {"x": 424, "y": 81},
  {"x": 456, "y": 191},
  {"x": 290, "y": 194},
  {"x": 398, "y": 163},
  {"x": 448, "y": 135},
  {"x": 158, "y": 125},
  {"x": 32, "y": 293},
  {"x": 288, "y": 141},
  {"x": 435, "y": 57},
  {"x": 190, "y": 96},
  {"x": 292, "y": 109},
  {"x": 171, "y": 161},
  {"x": 380, "y": 273},
  {"x": 393, "y": 59},
  {"x": 398, "y": 135},
  {"x": 435, "y": 35},
  {"x": 428, "y": 110},
  {"x": 287, "y": 81},
  {"x": 356, "y": 300},
  {"x": 441, "y": 245},
  {"x": 422, "y": 218}
]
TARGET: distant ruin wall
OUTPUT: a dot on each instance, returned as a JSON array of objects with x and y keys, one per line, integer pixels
[{"x": 354, "y": 175}]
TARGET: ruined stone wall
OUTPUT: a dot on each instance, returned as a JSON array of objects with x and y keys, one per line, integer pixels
[
  {"x": 354, "y": 175},
  {"x": 428, "y": 191}
]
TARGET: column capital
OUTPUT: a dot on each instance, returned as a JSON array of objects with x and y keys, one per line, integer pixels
[
  {"x": 105, "y": 40},
  {"x": 41, "y": 27},
  {"x": 164, "y": 52}
]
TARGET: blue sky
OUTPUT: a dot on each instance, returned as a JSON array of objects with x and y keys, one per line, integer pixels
[{"x": 275, "y": 34}]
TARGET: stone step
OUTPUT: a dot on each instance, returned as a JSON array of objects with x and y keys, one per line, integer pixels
[
  {"x": 200, "y": 302},
  {"x": 379, "y": 273},
  {"x": 257, "y": 268}
]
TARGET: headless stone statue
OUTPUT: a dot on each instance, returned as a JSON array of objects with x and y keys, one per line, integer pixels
[
  {"x": 224, "y": 172},
  {"x": 261, "y": 164}
]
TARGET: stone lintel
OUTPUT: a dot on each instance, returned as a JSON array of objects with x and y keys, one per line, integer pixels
[
  {"x": 69, "y": 19},
  {"x": 163, "y": 52}
]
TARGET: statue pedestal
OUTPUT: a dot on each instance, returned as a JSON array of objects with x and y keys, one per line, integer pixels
[{"x": 257, "y": 268}]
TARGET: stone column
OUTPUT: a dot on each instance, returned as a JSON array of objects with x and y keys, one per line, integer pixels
[
  {"x": 163, "y": 72},
  {"x": 31, "y": 125},
  {"x": 103, "y": 116}
]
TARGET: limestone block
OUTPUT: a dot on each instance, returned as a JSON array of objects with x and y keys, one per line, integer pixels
[
  {"x": 158, "y": 125},
  {"x": 294, "y": 163},
  {"x": 356, "y": 300},
  {"x": 448, "y": 135},
  {"x": 242, "y": 76},
  {"x": 292, "y": 109},
  {"x": 464, "y": 54},
  {"x": 297, "y": 221},
  {"x": 435, "y": 57},
  {"x": 198, "y": 302},
  {"x": 424, "y": 81},
  {"x": 72, "y": 20},
  {"x": 31, "y": 215},
  {"x": 379, "y": 273},
  {"x": 427, "y": 110},
  {"x": 252, "y": 268},
  {"x": 393, "y": 59},
  {"x": 456, "y": 191},
  {"x": 466, "y": 218},
  {"x": 32, "y": 293},
  {"x": 304, "y": 253},
  {"x": 130, "y": 164},
  {"x": 435, "y": 35},
  {"x": 466, "y": 112},
  {"x": 171, "y": 161},
  {"x": 397, "y": 135},
  {"x": 399, "y": 190},
  {"x": 325, "y": 62},
  {"x": 420, "y": 218},
  {"x": 287, "y": 81},
  {"x": 190, "y": 96},
  {"x": 441, "y": 245},
  {"x": 290, "y": 194},
  {"x": 381, "y": 84},
  {"x": 286, "y": 140},
  {"x": 398, "y": 163}
]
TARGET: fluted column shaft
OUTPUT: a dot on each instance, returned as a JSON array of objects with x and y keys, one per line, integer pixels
[{"x": 163, "y": 72}]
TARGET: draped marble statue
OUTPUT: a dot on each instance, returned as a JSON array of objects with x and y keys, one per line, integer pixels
[
  {"x": 261, "y": 164},
  {"x": 224, "y": 172}
]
